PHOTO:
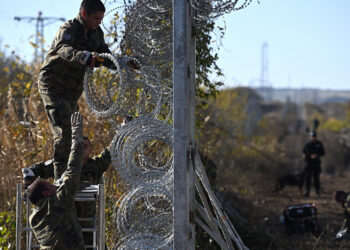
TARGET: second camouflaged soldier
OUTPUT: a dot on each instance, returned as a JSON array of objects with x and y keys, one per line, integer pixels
[
  {"x": 54, "y": 220},
  {"x": 74, "y": 48},
  {"x": 91, "y": 174}
]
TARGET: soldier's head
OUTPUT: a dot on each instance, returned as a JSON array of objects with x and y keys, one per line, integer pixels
[
  {"x": 92, "y": 12},
  {"x": 339, "y": 196},
  {"x": 40, "y": 189},
  {"x": 87, "y": 149},
  {"x": 313, "y": 136}
]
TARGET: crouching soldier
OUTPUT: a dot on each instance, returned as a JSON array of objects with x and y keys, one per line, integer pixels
[
  {"x": 91, "y": 174},
  {"x": 344, "y": 199},
  {"x": 54, "y": 220}
]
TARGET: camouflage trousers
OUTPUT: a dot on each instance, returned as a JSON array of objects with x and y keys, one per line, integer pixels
[{"x": 59, "y": 107}]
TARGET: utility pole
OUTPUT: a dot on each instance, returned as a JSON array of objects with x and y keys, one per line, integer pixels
[
  {"x": 41, "y": 22},
  {"x": 265, "y": 84}
]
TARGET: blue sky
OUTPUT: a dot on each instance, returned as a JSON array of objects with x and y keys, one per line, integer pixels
[{"x": 308, "y": 40}]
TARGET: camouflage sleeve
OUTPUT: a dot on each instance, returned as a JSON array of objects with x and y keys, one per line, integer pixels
[
  {"x": 102, "y": 161},
  {"x": 64, "y": 47},
  {"x": 43, "y": 169},
  {"x": 71, "y": 176}
]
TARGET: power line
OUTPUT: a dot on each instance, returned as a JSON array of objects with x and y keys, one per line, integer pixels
[{"x": 40, "y": 23}]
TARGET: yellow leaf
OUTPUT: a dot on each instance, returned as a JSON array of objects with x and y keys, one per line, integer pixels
[
  {"x": 34, "y": 45},
  {"x": 6, "y": 69}
]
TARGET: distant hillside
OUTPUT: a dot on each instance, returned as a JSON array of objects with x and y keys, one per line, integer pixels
[{"x": 304, "y": 95}]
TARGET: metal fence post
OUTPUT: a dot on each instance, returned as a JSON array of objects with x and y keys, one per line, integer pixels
[
  {"x": 101, "y": 216},
  {"x": 18, "y": 215},
  {"x": 184, "y": 124}
]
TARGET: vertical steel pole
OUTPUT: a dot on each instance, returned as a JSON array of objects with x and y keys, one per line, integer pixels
[
  {"x": 28, "y": 233},
  {"x": 101, "y": 216},
  {"x": 184, "y": 124},
  {"x": 18, "y": 215}
]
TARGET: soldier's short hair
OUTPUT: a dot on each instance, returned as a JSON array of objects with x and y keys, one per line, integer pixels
[
  {"x": 91, "y": 6},
  {"x": 35, "y": 190}
]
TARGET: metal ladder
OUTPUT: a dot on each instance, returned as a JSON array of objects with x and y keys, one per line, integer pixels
[{"x": 91, "y": 193}]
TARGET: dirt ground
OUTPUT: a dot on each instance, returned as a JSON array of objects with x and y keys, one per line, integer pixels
[
  {"x": 267, "y": 207},
  {"x": 330, "y": 216}
]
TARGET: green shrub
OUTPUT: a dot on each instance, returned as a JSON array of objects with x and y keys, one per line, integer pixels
[
  {"x": 7, "y": 230},
  {"x": 334, "y": 125}
]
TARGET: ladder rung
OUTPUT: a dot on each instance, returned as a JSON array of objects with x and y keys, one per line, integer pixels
[
  {"x": 86, "y": 194},
  {"x": 86, "y": 219},
  {"x": 85, "y": 199},
  {"x": 90, "y": 246},
  {"x": 89, "y": 229}
]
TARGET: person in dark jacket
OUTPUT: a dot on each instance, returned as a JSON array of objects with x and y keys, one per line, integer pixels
[
  {"x": 312, "y": 152},
  {"x": 54, "y": 220}
]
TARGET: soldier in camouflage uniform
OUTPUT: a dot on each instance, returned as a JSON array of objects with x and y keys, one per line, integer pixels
[
  {"x": 91, "y": 174},
  {"x": 74, "y": 48},
  {"x": 54, "y": 220}
]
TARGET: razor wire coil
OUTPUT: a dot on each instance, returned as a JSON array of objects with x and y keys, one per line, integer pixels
[{"x": 141, "y": 151}]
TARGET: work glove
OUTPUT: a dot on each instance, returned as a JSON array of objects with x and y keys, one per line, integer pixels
[
  {"x": 98, "y": 61},
  {"x": 28, "y": 177},
  {"x": 77, "y": 127},
  {"x": 92, "y": 59}
]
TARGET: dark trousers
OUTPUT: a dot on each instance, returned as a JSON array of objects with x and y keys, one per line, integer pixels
[
  {"x": 312, "y": 171},
  {"x": 59, "y": 109}
]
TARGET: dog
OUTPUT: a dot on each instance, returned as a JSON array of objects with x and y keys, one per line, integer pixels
[{"x": 290, "y": 180}]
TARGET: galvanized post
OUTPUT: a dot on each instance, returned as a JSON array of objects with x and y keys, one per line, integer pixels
[
  {"x": 18, "y": 215},
  {"x": 184, "y": 124},
  {"x": 101, "y": 216},
  {"x": 29, "y": 233}
]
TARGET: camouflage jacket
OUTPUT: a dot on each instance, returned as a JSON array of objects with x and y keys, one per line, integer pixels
[
  {"x": 65, "y": 62},
  {"x": 54, "y": 221},
  {"x": 91, "y": 174}
]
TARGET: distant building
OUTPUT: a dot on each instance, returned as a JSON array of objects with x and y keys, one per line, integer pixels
[{"x": 300, "y": 96}]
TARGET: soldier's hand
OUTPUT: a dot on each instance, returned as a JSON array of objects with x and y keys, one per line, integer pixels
[
  {"x": 77, "y": 127},
  {"x": 96, "y": 60},
  {"x": 28, "y": 177},
  {"x": 313, "y": 156}
]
